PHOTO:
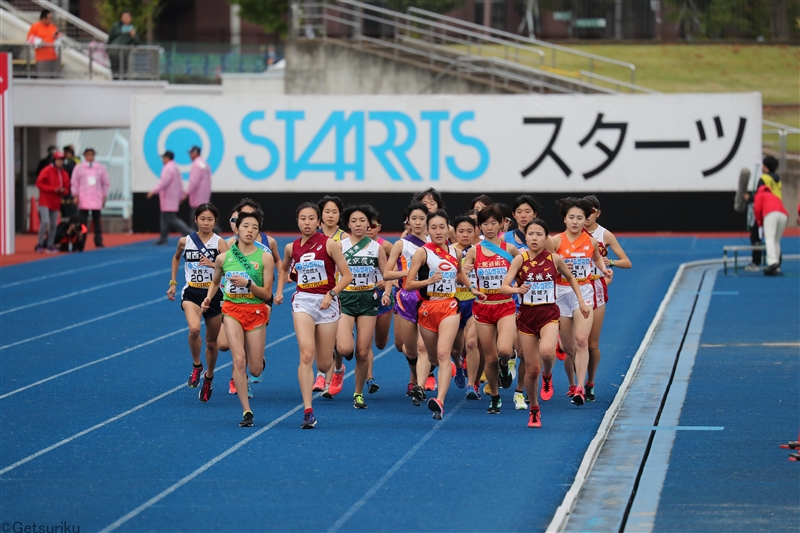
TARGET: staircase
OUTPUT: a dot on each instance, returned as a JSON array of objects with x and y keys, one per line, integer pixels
[{"x": 502, "y": 61}]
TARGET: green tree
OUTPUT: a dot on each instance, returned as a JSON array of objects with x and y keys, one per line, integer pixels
[{"x": 143, "y": 13}]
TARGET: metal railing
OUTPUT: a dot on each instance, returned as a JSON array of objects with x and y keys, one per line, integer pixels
[
  {"x": 437, "y": 44},
  {"x": 70, "y": 25},
  {"x": 91, "y": 61},
  {"x": 783, "y": 131},
  {"x": 508, "y": 37}
]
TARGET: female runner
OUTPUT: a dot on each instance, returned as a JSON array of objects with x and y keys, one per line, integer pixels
[{"x": 385, "y": 314}]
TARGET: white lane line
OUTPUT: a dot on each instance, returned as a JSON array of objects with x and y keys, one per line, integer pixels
[
  {"x": 117, "y": 417},
  {"x": 169, "y": 490},
  {"x": 68, "y": 272},
  {"x": 392, "y": 471},
  {"x": 106, "y": 358},
  {"x": 79, "y": 324},
  {"x": 84, "y": 291}
]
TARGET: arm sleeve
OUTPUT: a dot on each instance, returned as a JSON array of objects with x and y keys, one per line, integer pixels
[
  {"x": 162, "y": 182},
  {"x": 43, "y": 183}
]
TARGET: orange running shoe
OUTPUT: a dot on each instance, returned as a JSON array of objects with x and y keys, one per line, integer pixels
[
  {"x": 337, "y": 381},
  {"x": 453, "y": 367},
  {"x": 232, "y": 387},
  {"x": 535, "y": 419},
  {"x": 319, "y": 384},
  {"x": 430, "y": 383},
  {"x": 547, "y": 387},
  {"x": 560, "y": 353},
  {"x": 580, "y": 397}
]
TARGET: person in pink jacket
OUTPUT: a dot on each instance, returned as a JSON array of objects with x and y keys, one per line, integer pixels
[
  {"x": 170, "y": 195},
  {"x": 90, "y": 186},
  {"x": 772, "y": 217},
  {"x": 199, "y": 191}
]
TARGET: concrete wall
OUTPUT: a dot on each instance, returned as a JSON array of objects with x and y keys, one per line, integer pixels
[
  {"x": 317, "y": 67},
  {"x": 267, "y": 83}
]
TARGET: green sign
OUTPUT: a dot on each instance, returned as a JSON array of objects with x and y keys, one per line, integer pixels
[
  {"x": 562, "y": 15},
  {"x": 589, "y": 23}
]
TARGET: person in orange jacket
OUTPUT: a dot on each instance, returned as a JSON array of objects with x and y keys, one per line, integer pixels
[
  {"x": 53, "y": 183},
  {"x": 45, "y": 36}
]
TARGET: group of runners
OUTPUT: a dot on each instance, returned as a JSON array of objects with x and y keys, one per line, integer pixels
[{"x": 482, "y": 302}]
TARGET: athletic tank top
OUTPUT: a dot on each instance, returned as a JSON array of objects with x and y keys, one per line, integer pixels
[
  {"x": 490, "y": 272},
  {"x": 312, "y": 267},
  {"x": 578, "y": 257},
  {"x": 194, "y": 273},
  {"x": 264, "y": 244},
  {"x": 540, "y": 272},
  {"x": 462, "y": 291},
  {"x": 363, "y": 266},
  {"x": 445, "y": 288},
  {"x": 511, "y": 237},
  {"x": 599, "y": 233},
  {"x": 409, "y": 249},
  {"x": 232, "y": 267}
]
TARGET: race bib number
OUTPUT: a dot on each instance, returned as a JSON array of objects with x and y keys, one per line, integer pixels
[
  {"x": 311, "y": 274},
  {"x": 364, "y": 278},
  {"x": 581, "y": 267},
  {"x": 540, "y": 292},
  {"x": 232, "y": 290},
  {"x": 445, "y": 287},
  {"x": 491, "y": 279},
  {"x": 199, "y": 276}
]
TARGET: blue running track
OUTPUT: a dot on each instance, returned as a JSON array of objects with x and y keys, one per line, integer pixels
[{"x": 98, "y": 428}]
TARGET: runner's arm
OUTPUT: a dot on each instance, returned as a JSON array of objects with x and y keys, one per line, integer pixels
[
  {"x": 623, "y": 261},
  {"x": 346, "y": 277},
  {"x": 387, "y": 287},
  {"x": 268, "y": 274},
  {"x": 598, "y": 260},
  {"x": 390, "y": 272},
  {"x": 508, "y": 282},
  {"x": 420, "y": 256},
  {"x": 215, "y": 281},
  {"x": 176, "y": 263},
  {"x": 283, "y": 273}
]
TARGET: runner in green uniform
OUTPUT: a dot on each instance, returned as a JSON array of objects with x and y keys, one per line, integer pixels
[
  {"x": 248, "y": 274},
  {"x": 359, "y": 300}
]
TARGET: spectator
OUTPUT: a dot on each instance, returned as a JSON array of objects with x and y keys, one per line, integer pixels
[
  {"x": 772, "y": 180},
  {"x": 52, "y": 182},
  {"x": 46, "y": 160},
  {"x": 71, "y": 235},
  {"x": 90, "y": 186},
  {"x": 199, "y": 180},
  {"x": 68, "y": 206},
  {"x": 772, "y": 217},
  {"x": 170, "y": 194},
  {"x": 122, "y": 33},
  {"x": 45, "y": 38}
]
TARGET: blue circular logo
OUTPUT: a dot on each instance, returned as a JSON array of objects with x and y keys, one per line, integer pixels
[{"x": 178, "y": 129}]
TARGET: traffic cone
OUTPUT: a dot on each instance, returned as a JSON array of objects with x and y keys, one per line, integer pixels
[{"x": 34, "y": 222}]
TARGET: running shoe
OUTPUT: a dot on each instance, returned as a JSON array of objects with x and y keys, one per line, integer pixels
[
  {"x": 205, "y": 390},
  {"x": 505, "y": 376},
  {"x": 257, "y": 379},
  {"x": 452, "y": 369},
  {"x": 319, "y": 383},
  {"x": 560, "y": 353},
  {"x": 571, "y": 391},
  {"x": 430, "y": 383},
  {"x": 247, "y": 420},
  {"x": 436, "y": 406},
  {"x": 471, "y": 394},
  {"x": 580, "y": 397},
  {"x": 512, "y": 368},
  {"x": 51, "y": 251},
  {"x": 477, "y": 389},
  {"x": 249, "y": 390},
  {"x": 39, "y": 249},
  {"x": 309, "y": 421},
  {"x": 752, "y": 267},
  {"x": 519, "y": 401},
  {"x": 535, "y": 419},
  {"x": 337, "y": 381},
  {"x": 326, "y": 393},
  {"x": 372, "y": 387},
  {"x": 194, "y": 377},
  {"x": 358, "y": 401},
  {"x": 460, "y": 378},
  {"x": 410, "y": 389},
  {"x": 494, "y": 406},
  {"x": 417, "y": 395},
  {"x": 589, "y": 393},
  {"x": 232, "y": 387},
  {"x": 547, "y": 387}
]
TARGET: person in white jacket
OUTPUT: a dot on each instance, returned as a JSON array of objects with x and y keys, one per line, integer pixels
[{"x": 90, "y": 186}]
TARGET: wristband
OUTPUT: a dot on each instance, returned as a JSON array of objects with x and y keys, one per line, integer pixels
[
  {"x": 172, "y": 283},
  {"x": 249, "y": 282},
  {"x": 611, "y": 263},
  {"x": 471, "y": 287}
]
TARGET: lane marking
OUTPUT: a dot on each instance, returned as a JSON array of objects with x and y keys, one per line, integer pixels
[
  {"x": 392, "y": 471},
  {"x": 754, "y": 344},
  {"x": 673, "y": 428},
  {"x": 102, "y": 317},
  {"x": 169, "y": 490},
  {"x": 119, "y": 416},
  {"x": 106, "y": 358},
  {"x": 84, "y": 291},
  {"x": 68, "y": 272}
]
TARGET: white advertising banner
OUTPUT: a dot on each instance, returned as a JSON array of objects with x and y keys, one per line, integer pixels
[{"x": 469, "y": 143}]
